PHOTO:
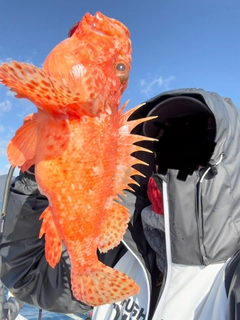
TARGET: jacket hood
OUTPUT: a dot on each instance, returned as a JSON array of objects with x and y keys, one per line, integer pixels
[{"x": 204, "y": 208}]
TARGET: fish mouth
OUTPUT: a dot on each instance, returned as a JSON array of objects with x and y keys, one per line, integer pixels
[{"x": 104, "y": 25}]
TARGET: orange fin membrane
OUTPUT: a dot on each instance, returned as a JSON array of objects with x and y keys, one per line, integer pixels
[
  {"x": 117, "y": 217},
  {"x": 102, "y": 285},
  {"x": 22, "y": 148},
  {"x": 53, "y": 242},
  {"x": 45, "y": 92},
  {"x": 114, "y": 227}
]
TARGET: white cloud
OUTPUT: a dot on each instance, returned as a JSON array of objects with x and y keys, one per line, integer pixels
[
  {"x": 147, "y": 86},
  {"x": 5, "y": 106}
]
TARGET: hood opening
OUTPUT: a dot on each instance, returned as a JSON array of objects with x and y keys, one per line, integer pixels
[{"x": 186, "y": 130}]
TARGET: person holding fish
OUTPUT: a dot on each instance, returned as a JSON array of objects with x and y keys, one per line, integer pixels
[{"x": 133, "y": 213}]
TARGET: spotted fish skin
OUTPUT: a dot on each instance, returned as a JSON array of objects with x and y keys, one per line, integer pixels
[{"x": 80, "y": 142}]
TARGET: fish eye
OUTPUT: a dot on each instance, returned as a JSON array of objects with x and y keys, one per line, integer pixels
[
  {"x": 121, "y": 67},
  {"x": 122, "y": 70}
]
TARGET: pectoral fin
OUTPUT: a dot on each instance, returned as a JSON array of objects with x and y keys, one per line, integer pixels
[{"x": 45, "y": 92}]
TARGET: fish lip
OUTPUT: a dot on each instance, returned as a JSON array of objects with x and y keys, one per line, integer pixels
[
  {"x": 99, "y": 16},
  {"x": 108, "y": 26},
  {"x": 97, "y": 24}
]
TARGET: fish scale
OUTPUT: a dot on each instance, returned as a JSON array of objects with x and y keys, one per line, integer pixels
[{"x": 81, "y": 144}]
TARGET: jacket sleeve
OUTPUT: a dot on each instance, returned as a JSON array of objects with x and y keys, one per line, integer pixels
[{"x": 24, "y": 269}]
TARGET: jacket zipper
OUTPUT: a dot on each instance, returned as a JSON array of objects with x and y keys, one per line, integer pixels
[
  {"x": 199, "y": 214},
  {"x": 199, "y": 210}
]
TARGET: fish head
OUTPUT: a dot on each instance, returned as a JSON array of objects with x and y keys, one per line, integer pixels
[{"x": 94, "y": 61}]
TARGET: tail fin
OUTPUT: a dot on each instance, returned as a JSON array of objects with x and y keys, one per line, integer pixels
[{"x": 102, "y": 285}]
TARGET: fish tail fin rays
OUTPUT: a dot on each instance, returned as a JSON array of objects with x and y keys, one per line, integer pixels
[
  {"x": 22, "y": 148},
  {"x": 53, "y": 242},
  {"x": 102, "y": 285},
  {"x": 45, "y": 92}
]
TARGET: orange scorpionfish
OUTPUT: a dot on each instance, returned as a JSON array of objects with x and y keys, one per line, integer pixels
[{"x": 80, "y": 142}]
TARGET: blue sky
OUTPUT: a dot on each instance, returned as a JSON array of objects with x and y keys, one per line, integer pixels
[{"x": 176, "y": 44}]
